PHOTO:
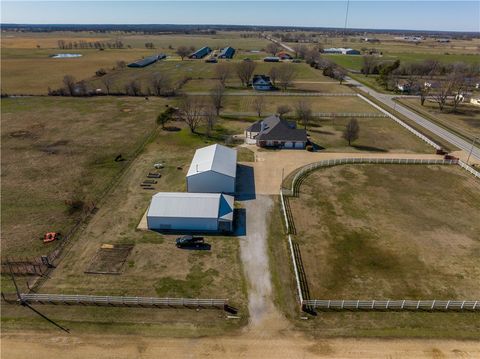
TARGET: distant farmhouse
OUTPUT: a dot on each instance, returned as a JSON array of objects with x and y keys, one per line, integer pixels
[
  {"x": 341, "y": 51},
  {"x": 262, "y": 83},
  {"x": 226, "y": 53},
  {"x": 206, "y": 206},
  {"x": 201, "y": 53},
  {"x": 147, "y": 61},
  {"x": 275, "y": 132}
]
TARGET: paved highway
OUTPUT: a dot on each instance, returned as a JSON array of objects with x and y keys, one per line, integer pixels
[
  {"x": 441, "y": 132},
  {"x": 422, "y": 121}
]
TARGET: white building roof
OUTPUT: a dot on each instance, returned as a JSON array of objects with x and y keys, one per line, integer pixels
[
  {"x": 191, "y": 205},
  {"x": 215, "y": 158}
]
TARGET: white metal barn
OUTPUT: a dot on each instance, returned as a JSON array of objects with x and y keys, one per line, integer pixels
[
  {"x": 213, "y": 170},
  {"x": 196, "y": 212}
]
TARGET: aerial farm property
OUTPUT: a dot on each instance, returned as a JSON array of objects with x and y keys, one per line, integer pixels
[{"x": 212, "y": 183}]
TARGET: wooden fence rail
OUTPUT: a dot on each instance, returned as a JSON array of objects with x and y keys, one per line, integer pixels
[
  {"x": 393, "y": 305},
  {"x": 118, "y": 301}
]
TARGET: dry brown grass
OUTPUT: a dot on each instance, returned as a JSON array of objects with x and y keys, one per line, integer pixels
[
  {"x": 61, "y": 149},
  {"x": 389, "y": 232}
]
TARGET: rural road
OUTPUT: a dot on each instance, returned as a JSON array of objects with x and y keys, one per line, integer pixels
[
  {"x": 422, "y": 121},
  {"x": 448, "y": 136}
]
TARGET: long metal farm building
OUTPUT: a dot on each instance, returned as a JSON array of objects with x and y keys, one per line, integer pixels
[
  {"x": 195, "y": 212},
  {"x": 213, "y": 170}
]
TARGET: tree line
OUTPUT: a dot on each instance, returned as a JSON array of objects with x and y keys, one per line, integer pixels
[{"x": 82, "y": 44}]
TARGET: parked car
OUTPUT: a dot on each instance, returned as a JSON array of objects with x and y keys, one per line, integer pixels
[
  {"x": 211, "y": 60},
  {"x": 189, "y": 242}
]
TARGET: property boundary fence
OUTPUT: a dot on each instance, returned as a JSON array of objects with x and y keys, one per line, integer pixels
[
  {"x": 350, "y": 114},
  {"x": 393, "y": 305},
  {"x": 469, "y": 168},
  {"x": 118, "y": 301},
  {"x": 308, "y": 304}
]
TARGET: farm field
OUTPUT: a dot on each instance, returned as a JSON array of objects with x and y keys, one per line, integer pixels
[
  {"x": 58, "y": 156},
  {"x": 466, "y": 121},
  {"x": 382, "y": 232}
]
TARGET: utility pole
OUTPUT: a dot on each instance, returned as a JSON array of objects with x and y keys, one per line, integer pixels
[{"x": 471, "y": 149}]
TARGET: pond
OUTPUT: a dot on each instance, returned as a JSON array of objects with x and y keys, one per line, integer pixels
[{"x": 64, "y": 56}]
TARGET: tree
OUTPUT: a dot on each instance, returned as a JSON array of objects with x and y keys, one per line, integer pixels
[
  {"x": 245, "y": 71},
  {"x": 69, "y": 82},
  {"x": 339, "y": 74},
  {"x": 121, "y": 64},
  {"x": 223, "y": 70},
  {"x": 183, "y": 52},
  {"x": 133, "y": 88},
  {"x": 312, "y": 57},
  {"x": 272, "y": 48},
  {"x": 217, "y": 95},
  {"x": 107, "y": 82},
  {"x": 273, "y": 73},
  {"x": 191, "y": 111},
  {"x": 166, "y": 116},
  {"x": 283, "y": 110},
  {"x": 286, "y": 75},
  {"x": 210, "y": 119},
  {"x": 370, "y": 64},
  {"x": 303, "y": 111},
  {"x": 160, "y": 82},
  {"x": 149, "y": 45},
  {"x": 351, "y": 131},
  {"x": 258, "y": 104},
  {"x": 300, "y": 51}
]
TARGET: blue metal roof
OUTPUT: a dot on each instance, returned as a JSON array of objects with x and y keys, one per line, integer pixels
[
  {"x": 227, "y": 52},
  {"x": 147, "y": 60}
]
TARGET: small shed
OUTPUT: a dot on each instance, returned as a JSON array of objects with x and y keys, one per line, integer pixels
[
  {"x": 213, "y": 170},
  {"x": 192, "y": 212}
]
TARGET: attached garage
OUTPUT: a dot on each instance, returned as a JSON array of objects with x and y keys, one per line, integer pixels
[
  {"x": 191, "y": 212},
  {"x": 213, "y": 170}
]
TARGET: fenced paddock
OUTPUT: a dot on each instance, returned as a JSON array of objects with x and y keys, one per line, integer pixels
[
  {"x": 117, "y": 301},
  {"x": 303, "y": 293}
]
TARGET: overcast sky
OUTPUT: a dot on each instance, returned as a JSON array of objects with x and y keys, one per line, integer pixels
[{"x": 386, "y": 14}]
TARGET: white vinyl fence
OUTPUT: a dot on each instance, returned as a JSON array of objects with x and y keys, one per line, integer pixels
[
  {"x": 372, "y": 305},
  {"x": 122, "y": 301},
  {"x": 437, "y": 305}
]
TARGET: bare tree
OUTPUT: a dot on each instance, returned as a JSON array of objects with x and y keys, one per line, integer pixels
[
  {"x": 211, "y": 118},
  {"x": 283, "y": 110},
  {"x": 161, "y": 82},
  {"x": 217, "y": 96},
  {"x": 273, "y": 73},
  {"x": 133, "y": 88},
  {"x": 370, "y": 63},
  {"x": 107, "y": 81},
  {"x": 223, "y": 70},
  {"x": 272, "y": 48},
  {"x": 300, "y": 51},
  {"x": 339, "y": 74},
  {"x": 312, "y": 57},
  {"x": 191, "y": 111},
  {"x": 351, "y": 131},
  {"x": 69, "y": 82},
  {"x": 258, "y": 104},
  {"x": 303, "y": 111},
  {"x": 183, "y": 52},
  {"x": 287, "y": 73},
  {"x": 245, "y": 71},
  {"x": 121, "y": 64}
]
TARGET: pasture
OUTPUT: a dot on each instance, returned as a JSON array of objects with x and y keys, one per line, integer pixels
[
  {"x": 384, "y": 231},
  {"x": 58, "y": 155}
]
